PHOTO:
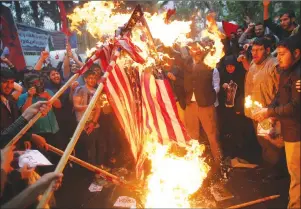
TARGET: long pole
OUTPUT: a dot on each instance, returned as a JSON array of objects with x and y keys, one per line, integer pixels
[
  {"x": 64, "y": 159},
  {"x": 37, "y": 116},
  {"x": 264, "y": 199},
  {"x": 106, "y": 175}
]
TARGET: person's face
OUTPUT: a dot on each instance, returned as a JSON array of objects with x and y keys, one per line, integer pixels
[
  {"x": 7, "y": 86},
  {"x": 285, "y": 22},
  {"x": 230, "y": 68},
  {"x": 91, "y": 80},
  {"x": 259, "y": 53},
  {"x": 97, "y": 71},
  {"x": 74, "y": 68},
  {"x": 239, "y": 32},
  {"x": 55, "y": 77},
  {"x": 259, "y": 30},
  {"x": 285, "y": 58},
  {"x": 232, "y": 36}
]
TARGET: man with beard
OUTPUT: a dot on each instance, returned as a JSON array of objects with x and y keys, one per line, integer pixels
[
  {"x": 288, "y": 25},
  {"x": 286, "y": 107},
  {"x": 8, "y": 107},
  {"x": 200, "y": 98},
  {"x": 261, "y": 84},
  {"x": 258, "y": 28}
]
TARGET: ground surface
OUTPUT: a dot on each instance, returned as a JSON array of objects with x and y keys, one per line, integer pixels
[{"x": 245, "y": 185}]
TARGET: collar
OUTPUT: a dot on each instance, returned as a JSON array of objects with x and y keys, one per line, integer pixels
[{"x": 3, "y": 99}]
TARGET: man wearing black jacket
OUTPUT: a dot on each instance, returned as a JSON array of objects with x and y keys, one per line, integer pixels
[
  {"x": 200, "y": 98},
  {"x": 8, "y": 107},
  {"x": 286, "y": 107}
]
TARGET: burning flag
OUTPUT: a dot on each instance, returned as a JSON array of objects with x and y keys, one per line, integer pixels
[{"x": 143, "y": 101}]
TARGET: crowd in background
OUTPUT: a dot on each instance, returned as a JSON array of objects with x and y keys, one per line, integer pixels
[{"x": 261, "y": 61}]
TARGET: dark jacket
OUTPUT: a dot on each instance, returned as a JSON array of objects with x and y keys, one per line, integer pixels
[
  {"x": 238, "y": 76},
  {"x": 198, "y": 80},
  {"x": 178, "y": 85},
  {"x": 286, "y": 105},
  {"x": 7, "y": 119},
  {"x": 9, "y": 133},
  {"x": 276, "y": 29}
]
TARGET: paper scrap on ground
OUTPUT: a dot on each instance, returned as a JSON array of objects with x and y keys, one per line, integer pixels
[
  {"x": 125, "y": 202},
  {"x": 95, "y": 187},
  {"x": 220, "y": 193},
  {"x": 33, "y": 158},
  {"x": 240, "y": 163}
]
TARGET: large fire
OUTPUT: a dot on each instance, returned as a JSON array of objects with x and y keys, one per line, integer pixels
[
  {"x": 173, "y": 179},
  {"x": 100, "y": 19},
  {"x": 212, "y": 32}
]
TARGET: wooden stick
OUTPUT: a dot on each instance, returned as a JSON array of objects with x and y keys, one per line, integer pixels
[
  {"x": 104, "y": 174},
  {"x": 64, "y": 159},
  {"x": 37, "y": 116},
  {"x": 254, "y": 202}
]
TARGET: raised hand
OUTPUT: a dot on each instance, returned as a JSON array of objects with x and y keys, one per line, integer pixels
[{"x": 266, "y": 3}]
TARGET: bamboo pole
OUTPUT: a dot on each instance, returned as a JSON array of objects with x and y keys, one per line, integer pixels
[
  {"x": 104, "y": 174},
  {"x": 63, "y": 161},
  {"x": 264, "y": 199},
  {"x": 38, "y": 115}
]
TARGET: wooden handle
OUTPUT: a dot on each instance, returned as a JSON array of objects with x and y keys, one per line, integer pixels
[
  {"x": 84, "y": 164},
  {"x": 37, "y": 116},
  {"x": 64, "y": 159},
  {"x": 254, "y": 202}
]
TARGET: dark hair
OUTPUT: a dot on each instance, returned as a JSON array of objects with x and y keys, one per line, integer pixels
[
  {"x": 259, "y": 23},
  {"x": 291, "y": 43},
  {"x": 262, "y": 42},
  {"x": 7, "y": 73},
  {"x": 290, "y": 13},
  {"x": 30, "y": 77},
  {"x": 240, "y": 27},
  {"x": 93, "y": 66},
  {"x": 89, "y": 72}
]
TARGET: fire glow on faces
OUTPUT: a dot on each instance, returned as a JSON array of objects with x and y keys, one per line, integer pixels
[
  {"x": 285, "y": 57},
  {"x": 7, "y": 86}
]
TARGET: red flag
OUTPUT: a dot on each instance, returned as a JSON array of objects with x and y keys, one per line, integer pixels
[
  {"x": 10, "y": 41},
  {"x": 229, "y": 28},
  {"x": 63, "y": 16}
]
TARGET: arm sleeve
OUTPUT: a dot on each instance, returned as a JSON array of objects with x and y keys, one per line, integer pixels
[
  {"x": 243, "y": 39},
  {"x": 273, "y": 27},
  {"x": 22, "y": 100},
  {"x": 216, "y": 80},
  {"x": 3, "y": 181},
  {"x": 290, "y": 109},
  {"x": 10, "y": 132}
]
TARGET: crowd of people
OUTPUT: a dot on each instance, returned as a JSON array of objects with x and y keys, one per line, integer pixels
[{"x": 261, "y": 61}]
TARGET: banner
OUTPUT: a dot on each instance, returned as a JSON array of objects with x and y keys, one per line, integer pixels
[
  {"x": 32, "y": 39},
  {"x": 10, "y": 42}
]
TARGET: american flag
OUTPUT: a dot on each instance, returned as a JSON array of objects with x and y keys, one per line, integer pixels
[{"x": 142, "y": 101}]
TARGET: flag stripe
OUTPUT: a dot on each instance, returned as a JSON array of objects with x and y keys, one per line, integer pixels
[
  {"x": 173, "y": 115},
  {"x": 151, "y": 105},
  {"x": 164, "y": 111}
]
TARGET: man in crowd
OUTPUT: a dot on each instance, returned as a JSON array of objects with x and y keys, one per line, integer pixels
[
  {"x": 261, "y": 84},
  {"x": 200, "y": 99},
  {"x": 64, "y": 115},
  {"x": 288, "y": 25},
  {"x": 8, "y": 107},
  {"x": 239, "y": 32},
  {"x": 47, "y": 126},
  {"x": 286, "y": 107},
  {"x": 89, "y": 147},
  {"x": 258, "y": 28}
]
